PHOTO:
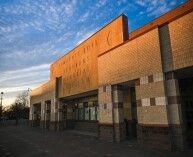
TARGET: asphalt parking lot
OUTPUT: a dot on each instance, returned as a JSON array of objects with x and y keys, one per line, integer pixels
[{"x": 24, "y": 141}]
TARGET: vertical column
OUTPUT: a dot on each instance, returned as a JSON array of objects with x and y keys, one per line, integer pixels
[
  {"x": 31, "y": 112},
  {"x": 118, "y": 117},
  {"x": 61, "y": 125},
  {"x": 153, "y": 128},
  {"x": 70, "y": 115},
  {"x": 111, "y": 119},
  {"x": 54, "y": 113},
  {"x": 34, "y": 123},
  {"x": 174, "y": 109},
  {"x": 42, "y": 120},
  {"x": 177, "y": 129},
  {"x": 130, "y": 111},
  {"x": 47, "y": 114},
  {"x": 106, "y": 128}
]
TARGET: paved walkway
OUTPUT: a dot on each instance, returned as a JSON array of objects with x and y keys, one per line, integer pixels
[
  {"x": 84, "y": 133},
  {"x": 23, "y": 141}
]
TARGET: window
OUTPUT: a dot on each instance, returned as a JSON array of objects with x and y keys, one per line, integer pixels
[
  {"x": 86, "y": 111},
  {"x": 64, "y": 112},
  {"x": 93, "y": 113},
  {"x": 80, "y": 114},
  {"x": 76, "y": 114}
]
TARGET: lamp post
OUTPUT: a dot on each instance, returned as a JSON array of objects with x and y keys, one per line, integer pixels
[
  {"x": 28, "y": 91},
  {"x": 30, "y": 116},
  {"x": 1, "y": 105}
]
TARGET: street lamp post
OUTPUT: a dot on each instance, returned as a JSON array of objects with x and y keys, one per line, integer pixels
[
  {"x": 29, "y": 114},
  {"x": 1, "y": 104},
  {"x": 29, "y": 90}
]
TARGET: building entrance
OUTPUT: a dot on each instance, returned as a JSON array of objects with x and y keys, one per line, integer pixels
[
  {"x": 80, "y": 112},
  {"x": 47, "y": 114},
  {"x": 63, "y": 111},
  {"x": 37, "y": 114},
  {"x": 130, "y": 111},
  {"x": 186, "y": 91}
]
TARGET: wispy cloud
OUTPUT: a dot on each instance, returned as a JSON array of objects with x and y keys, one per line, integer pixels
[
  {"x": 14, "y": 82},
  {"x": 33, "y": 34},
  {"x": 140, "y": 2},
  {"x": 155, "y": 7},
  {"x": 101, "y": 3},
  {"x": 84, "y": 34},
  {"x": 84, "y": 17}
]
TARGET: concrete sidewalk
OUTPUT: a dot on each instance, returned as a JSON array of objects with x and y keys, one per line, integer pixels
[{"x": 23, "y": 141}]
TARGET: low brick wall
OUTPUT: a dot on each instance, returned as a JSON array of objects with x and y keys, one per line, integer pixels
[
  {"x": 34, "y": 123},
  {"x": 91, "y": 126},
  {"x": 106, "y": 132},
  {"x": 53, "y": 126},
  {"x": 154, "y": 136}
]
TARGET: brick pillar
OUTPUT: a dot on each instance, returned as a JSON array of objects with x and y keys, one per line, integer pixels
[
  {"x": 34, "y": 116},
  {"x": 54, "y": 113},
  {"x": 61, "y": 123},
  {"x": 153, "y": 128},
  {"x": 31, "y": 114},
  {"x": 105, "y": 113},
  {"x": 70, "y": 118},
  {"x": 118, "y": 117},
  {"x": 111, "y": 122},
  {"x": 174, "y": 108},
  {"x": 42, "y": 120},
  {"x": 47, "y": 114}
]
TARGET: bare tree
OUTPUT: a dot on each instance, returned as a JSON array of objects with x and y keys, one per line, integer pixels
[
  {"x": 23, "y": 99},
  {"x": 20, "y": 108}
]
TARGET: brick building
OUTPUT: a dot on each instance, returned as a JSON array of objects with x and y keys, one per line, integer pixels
[{"x": 124, "y": 85}]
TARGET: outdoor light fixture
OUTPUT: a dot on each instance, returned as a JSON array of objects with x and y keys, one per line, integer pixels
[
  {"x": 1, "y": 97},
  {"x": 1, "y": 104},
  {"x": 29, "y": 89},
  {"x": 28, "y": 92}
]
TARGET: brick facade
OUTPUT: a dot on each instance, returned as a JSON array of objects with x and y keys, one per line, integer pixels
[{"x": 122, "y": 85}]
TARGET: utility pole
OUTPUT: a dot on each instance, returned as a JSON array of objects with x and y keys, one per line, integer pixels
[
  {"x": 1, "y": 106},
  {"x": 28, "y": 92}
]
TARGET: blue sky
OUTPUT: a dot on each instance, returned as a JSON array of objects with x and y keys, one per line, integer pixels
[{"x": 35, "y": 33}]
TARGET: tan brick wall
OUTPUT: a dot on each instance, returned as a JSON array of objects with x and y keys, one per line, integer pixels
[
  {"x": 152, "y": 115},
  {"x": 105, "y": 116},
  {"x": 150, "y": 90},
  {"x": 181, "y": 34},
  {"x": 45, "y": 92},
  {"x": 105, "y": 99},
  {"x": 42, "y": 94},
  {"x": 132, "y": 60}
]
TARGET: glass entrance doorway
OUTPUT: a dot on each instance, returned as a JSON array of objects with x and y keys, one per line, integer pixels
[
  {"x": 186, "y": 91},
  {"x": 130, "y": 112},
  {"x": 37, "y": 114}
]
